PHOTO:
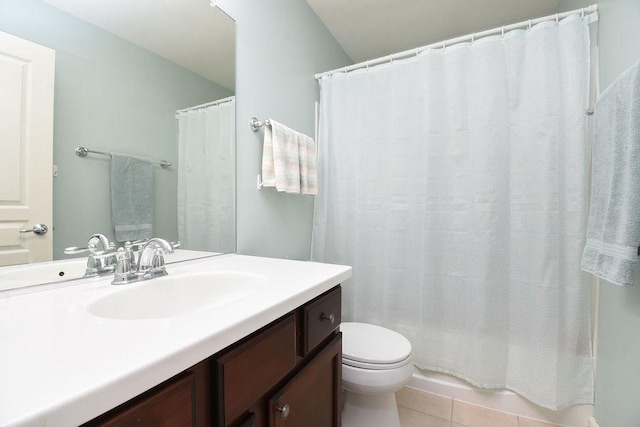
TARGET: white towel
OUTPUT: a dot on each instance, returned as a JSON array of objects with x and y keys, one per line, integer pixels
[
  {"x": 308, "y": 165},
  {"x": 613, "y": 231},
  {"x": 131, "y": 197},
  {"x": 288, "y": 160}
]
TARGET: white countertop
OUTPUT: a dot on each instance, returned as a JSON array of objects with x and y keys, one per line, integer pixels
[{"x": 62, "y": 366}]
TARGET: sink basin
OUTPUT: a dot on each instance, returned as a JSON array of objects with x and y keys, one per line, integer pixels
[
  {"x": 175, "y": 295},
  {"x": 32, "y": 274}
]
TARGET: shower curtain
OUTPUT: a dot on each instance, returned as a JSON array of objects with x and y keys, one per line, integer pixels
[
  {"x": 206, "y": 178},
  {"x": 455, "y": 184}
]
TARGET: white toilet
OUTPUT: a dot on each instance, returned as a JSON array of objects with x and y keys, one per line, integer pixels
[{"x": 376, "y": 362}]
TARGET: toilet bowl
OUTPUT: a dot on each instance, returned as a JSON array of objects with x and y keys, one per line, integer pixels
[{"x": 376, "y": 362}]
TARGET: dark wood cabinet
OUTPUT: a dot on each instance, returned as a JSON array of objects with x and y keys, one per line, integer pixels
[
  {"x": 247, "y": 372},
  {"x": 313, "y": 397},
  {"x": 182, "y": 401},
  {"x": 321, "y": 316},
  {"x": 288, "y": 373}
]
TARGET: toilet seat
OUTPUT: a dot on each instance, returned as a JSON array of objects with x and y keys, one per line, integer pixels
[
  {"x": 375, "y": 366},
  {"x": 373, "y": 347}
]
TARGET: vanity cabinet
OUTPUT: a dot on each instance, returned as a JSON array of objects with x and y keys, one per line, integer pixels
[
  {"x": 288, "y": 373},
  {"x": 182, "y": 401},
  {"x": 246, "y": 373},
  {"x": 312, "y": 398}
]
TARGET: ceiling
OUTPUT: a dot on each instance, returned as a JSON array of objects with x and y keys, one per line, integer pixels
[
  {"x": 368, "y": 29},
  {"x": 183, "y": 31},
  {"x": 187, "y": 31}
]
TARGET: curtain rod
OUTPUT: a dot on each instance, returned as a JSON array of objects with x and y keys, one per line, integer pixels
[
  {"x": 469, "y": 37},
  {"x": 207, "y": 104}
]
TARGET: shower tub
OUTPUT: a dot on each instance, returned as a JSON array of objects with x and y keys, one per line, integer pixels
[{"x": 499, "y": 400}]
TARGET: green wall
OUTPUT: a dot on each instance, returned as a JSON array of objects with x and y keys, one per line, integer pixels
[
  {"x": 110, "y": 95},
  {"x": 618, "y": 364},
  {"x": 281, "y": 44}
]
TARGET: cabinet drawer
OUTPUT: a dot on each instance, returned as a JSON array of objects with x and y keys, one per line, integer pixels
[
  {"x": 321, "y": 316},
  {"x": 248, "y": 371}
]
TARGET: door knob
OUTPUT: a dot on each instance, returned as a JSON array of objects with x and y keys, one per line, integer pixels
[
  {"x": 284, "y": 411},
  {"x": 331, "y": 318},
  {"x": 38, "y": 229}
]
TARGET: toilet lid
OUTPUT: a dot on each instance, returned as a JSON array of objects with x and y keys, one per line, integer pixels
[{"x": 363, "y": 342}]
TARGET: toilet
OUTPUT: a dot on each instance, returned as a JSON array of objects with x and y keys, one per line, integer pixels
[{"x": 376, "y": 362}]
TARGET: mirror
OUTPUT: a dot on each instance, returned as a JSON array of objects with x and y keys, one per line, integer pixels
[{"x": 123, "y": 69}]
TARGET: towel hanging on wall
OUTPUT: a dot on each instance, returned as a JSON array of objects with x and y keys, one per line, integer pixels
[
  {"x": 132, "y": 190},
  {"x": 613, "y": 231},
  {"x": 289, "y": 160}
]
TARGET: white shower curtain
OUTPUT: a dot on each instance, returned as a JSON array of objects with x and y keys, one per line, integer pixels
[
  {"x": 455, "y": 184},
  {"x": 206, "y": 178}
]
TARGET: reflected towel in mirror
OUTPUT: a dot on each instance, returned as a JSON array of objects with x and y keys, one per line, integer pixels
[{"x": 132, "y": 190}]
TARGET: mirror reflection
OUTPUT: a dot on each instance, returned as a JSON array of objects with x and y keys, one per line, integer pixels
[{"x": 148, "y": 79}]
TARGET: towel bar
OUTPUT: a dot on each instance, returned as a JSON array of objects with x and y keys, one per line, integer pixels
[
  {"x": 82, "y": 152},
  {"x": 256, "y": 124}
]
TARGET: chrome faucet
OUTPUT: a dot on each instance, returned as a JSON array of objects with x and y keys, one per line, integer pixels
[
  {"x": 150, "y": 261},
  {"x": 100, "y": 262},
  {"x": 126, "y": 265},
  {"x": 105, "y": 259}
]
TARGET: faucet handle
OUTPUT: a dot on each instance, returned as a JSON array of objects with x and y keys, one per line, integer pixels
[
  {"x": 151, "y": 259},
  {"x": 137, "y": 244},
  {"x": 92, "y": 245},
  {"x": 96, "y": 254},
  {"x": 96, "y": 239},
  {"x": 72, "y": 250},
  {"x": 110, "y": 253}
]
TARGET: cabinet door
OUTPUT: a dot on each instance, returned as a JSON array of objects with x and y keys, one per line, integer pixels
[
  {"x": 245, "y": 374},
  {"x": 313, "y": 397},
  {"x": 183, "y": 401},
  {"x": 170, "y": 405}
]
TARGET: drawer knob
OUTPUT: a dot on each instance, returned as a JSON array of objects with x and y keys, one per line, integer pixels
[
  {"x": 284, "y": 411},
  {"x": 331, "y": 318}
]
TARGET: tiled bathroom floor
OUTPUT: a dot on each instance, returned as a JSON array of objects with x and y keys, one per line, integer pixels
[{"x": 420, "y": 409}]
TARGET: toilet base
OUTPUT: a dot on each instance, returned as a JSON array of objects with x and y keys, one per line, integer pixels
[{"x": 370, "y": 410}]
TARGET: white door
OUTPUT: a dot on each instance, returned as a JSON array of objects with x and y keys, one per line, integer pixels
[{"x": 26, "y": 149}]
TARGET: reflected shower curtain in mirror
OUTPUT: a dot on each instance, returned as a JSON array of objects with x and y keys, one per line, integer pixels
[
  {"x": 455, "y": 184},
  {"x": 206, "y": 178}
]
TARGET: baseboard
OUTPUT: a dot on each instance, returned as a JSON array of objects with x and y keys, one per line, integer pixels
[{"x": 593, "y": 423}]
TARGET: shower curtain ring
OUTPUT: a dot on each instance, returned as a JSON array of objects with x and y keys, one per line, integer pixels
[
  {"x": 557, "y": 19},
  {"x": 529, "y": 25},
  {"x": 473, "y": 38}
]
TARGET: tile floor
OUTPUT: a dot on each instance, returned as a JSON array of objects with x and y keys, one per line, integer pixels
[{"x": 421, "y": 409}]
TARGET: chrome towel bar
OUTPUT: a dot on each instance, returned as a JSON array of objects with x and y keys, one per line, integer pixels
[{"x": 82, "y": 152}]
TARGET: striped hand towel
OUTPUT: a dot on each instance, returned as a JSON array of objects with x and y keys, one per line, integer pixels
[{"x": 288, "y": 160}]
